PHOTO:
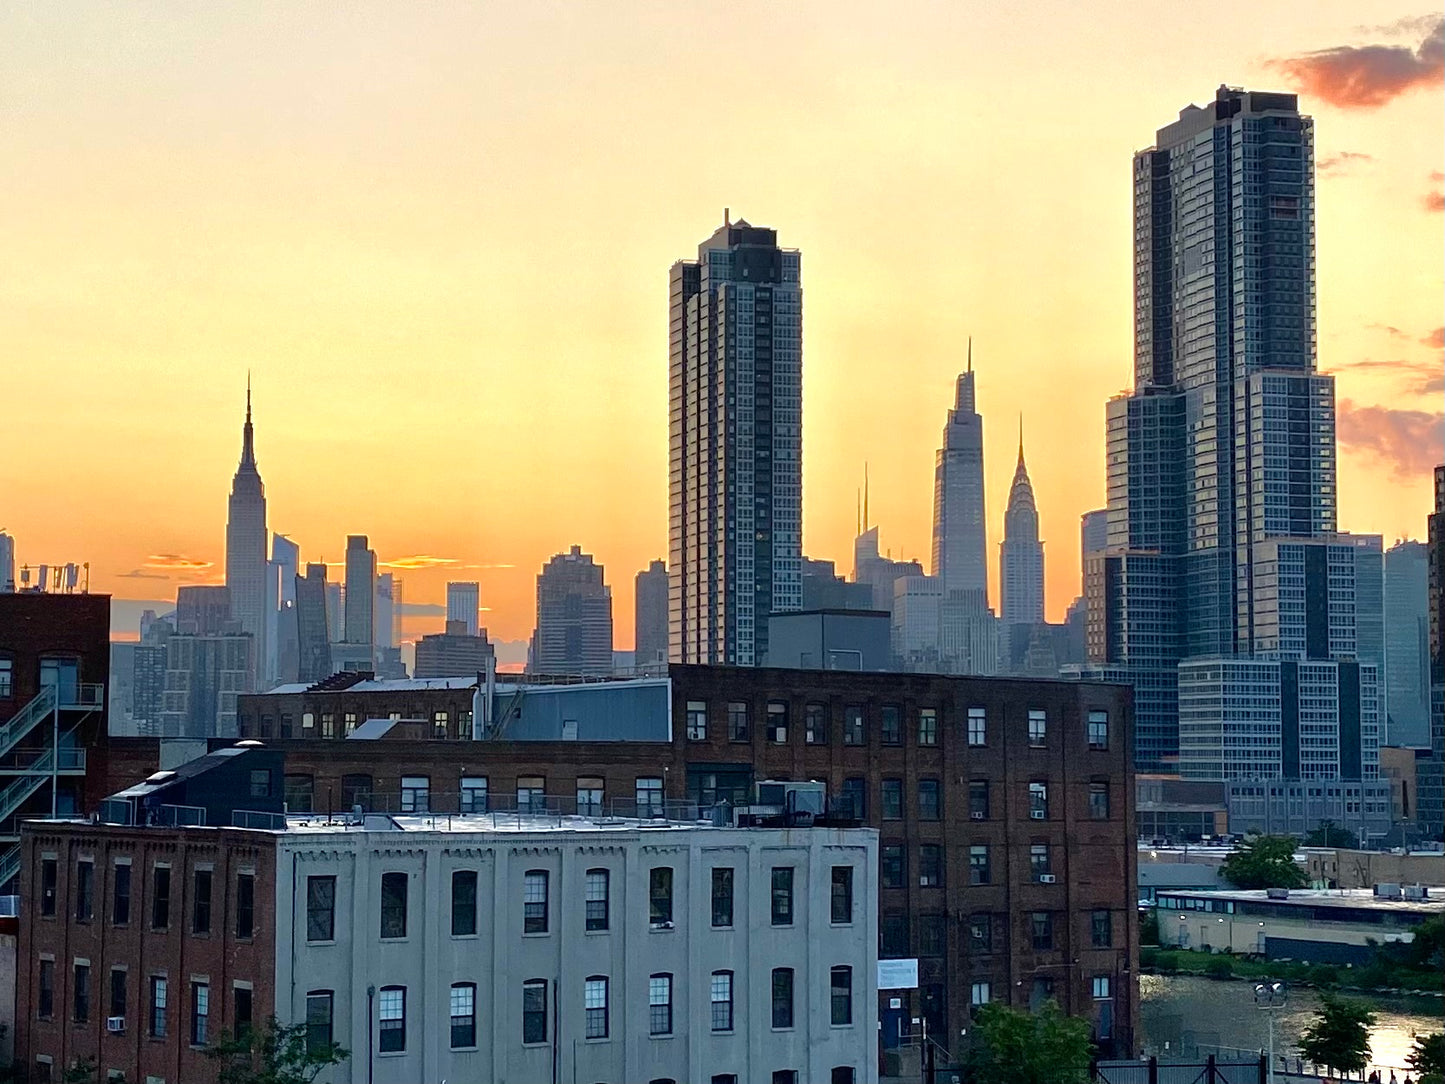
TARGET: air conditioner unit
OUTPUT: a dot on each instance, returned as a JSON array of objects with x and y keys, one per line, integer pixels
[
  {"x": 976, "y": 816},
  {"x": 1046, "y": 878},
  {"x": 115, "y": 1025},
  {"x": 1036, "y": 814}
]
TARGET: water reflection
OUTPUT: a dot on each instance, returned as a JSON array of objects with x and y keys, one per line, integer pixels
[{"x": 1202, "y": 1016}]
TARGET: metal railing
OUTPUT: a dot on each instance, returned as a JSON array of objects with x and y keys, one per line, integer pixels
[
  {"x": 9, "y": 865},
  {"x": 88, "y": 696},
  {"x": 252, "y": 818},
  {"x": 35, "y": 777},
  {"x": 72, "y": 759},
  {"x": 417, "y": 802},
  {"x": 26, "y": 719}
]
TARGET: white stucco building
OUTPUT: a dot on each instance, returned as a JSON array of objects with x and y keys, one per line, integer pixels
[{"x": 530, "y": 949}]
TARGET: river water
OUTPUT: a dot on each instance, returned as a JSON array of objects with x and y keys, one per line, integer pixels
[{"x": 1205, "y": 1016}]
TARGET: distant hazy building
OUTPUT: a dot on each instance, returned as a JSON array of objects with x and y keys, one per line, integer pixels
[
  {"x": 1369, "y": 551},
  {"x": 203, "y": 610},
  {"x": 385, "y": 610},
  {"x": 452, "y": 653},
  {"x": 246, "y": 542},
  {"x": 1431, "y": 784},
  {"x": 1021, "y": 560},
  {"x": 736, "y": 365},
  {"x": 335, "y": 611},
  {"x": 1407, "y": 644},
  {"x": 878, "y": 571},
  {"x": 464, "y": 603},
  {"x": 824, "y": 589},
  {"x": 574, "y": 617},
  {"x": 7, "y": 563},
  {"x": 281, "y": 646},
  {"x": 914, "y": 626},
  {"x": 830, "y": 640},
  {"x": 650, "y": 615},
  {"x": 204, "y": 675},
  {"x": 968, "y": 634},
  {"x": 360, "y": 621},
  {"x": 960, "y": 545},
  {"x": 313, "y": 633}
]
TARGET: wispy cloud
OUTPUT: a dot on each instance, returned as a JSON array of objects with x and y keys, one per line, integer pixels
[
  {"x": 142, "y": 574},
  {"x": 1434, "y": 200},
  {"x": 422, "y": 609},
  {"x": 1410, "y": 442},
  {"x": 1344, "y": 162},
  {"x": 427, "y": 560},
  {"x": 176, "y": 562},
  {"x": 1368, "y": 76},
  {"x": 1436, "y": 339},
  {"x": 1389, "y": 329},
  {"x": 1421, "y": 377}
]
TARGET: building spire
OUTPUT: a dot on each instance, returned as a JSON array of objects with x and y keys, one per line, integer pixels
[
  {"x": 970, "y": 353},
  {"x": 865, "y": 494},
  {"x": 248, "y": 449},
  {"x": 1021, "y": 438}
]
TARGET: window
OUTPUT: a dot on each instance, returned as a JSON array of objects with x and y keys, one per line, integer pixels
[
  {"x": 980, "y": 933},
  {"x": 721, "y": 994},
  {"x": 890, "y": 724},
  {"x": 464, "y": 1014},
  {"x": 45, "y": 1001},
  {"x": 1101, "y": 988},
  {"x": 855, "y": 798},
  {"x": 782, "y": 895},
  {"x": 474, "y": 794},
  {"x": 977, "y": 727},
  {"x": 891, "y": 865},
  {"x": 299, "y": 792},
  {"x": 589, "y": 797},
  {"x": 328, "y": 724},
  {"x": 393, "y": 905},
  {"x": 782, "y": 997},
  {"x": 843, "y": 1074},
  {"x": 842, "y": 903},
  {"x": 348, "y": 721},
  {"x": 598, "y": 888},
  {"x": 157, "y": 1023},
  {"x": 49, "y": 872},
  {"x": 978, "y": 799},
  {"x": 1099, "y": 801},
  {"x": 441, "y": 724},
  {"x": 724, "y": 1078},
  {"x": 1101, "y": 930},
  {"x": 245, "y": 905},
  {"x": 777, "y": 722},
  {"x": 737, "y": 721},
  {"x": 201, "y": 1012},
  {"x": 927, "y": 726},
  {"x": 697, "y": 720},
  {"x": 594, "y": 1004},
  {"x": 930, "y": 865},
  {"x": 1041, "y": 925},
  {"x": 7, "y": 678},
  {"x": 853, "y": 731},
  {"x": 1038, "y": 729},
  {"x": 1098, "y": 730},
  {"x": 534, "y": 1011},
  {"x": 928, "y": 801},
  {"x": 649, "y": 796},
  {"x": 815, "y": 725},
  {"x": 893, "y": 936},
  {"x": 81, "y": 990},
  {"x": 978, "y": 865},
  {"x": 415, "y": 793},
  {"x": 391, "y": 1001},
  {"x": 241, "y": 999},
  {"x": 161, "y": 898},
  {"x": 980, "y": 994},
  {"x": 722, "y": 896},
  {"x": 1039, "y": 865},
  {"x": 890, "y": 797},
  {"x": 842, "y": 1000},
  {"x": 534, "y": 901},
  {"x": 117, "y": 991},
  {"x": 84, "y": 891},
  {"x": 659, "y": 1005},
  {"x": 320, "y": 908},
  {"x": 201, "y": 901},
  {"x": 1039, "y": 801},
  {"x": 261, "y": 783},
  {"x": 530, "y": 794},
  {"x": 785, "y": 1076},
  {"x": 659, "y": 897},
  {"x": 932, "y": 934},
  {"x": 464, "y": 902},
  {"x": 320, "y": 1007}
]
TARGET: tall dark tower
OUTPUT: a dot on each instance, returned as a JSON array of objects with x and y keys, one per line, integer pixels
[{"x": 246, "y": 542}]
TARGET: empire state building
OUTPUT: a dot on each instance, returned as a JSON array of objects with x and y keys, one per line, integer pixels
[{"x": 246, "y": 544}]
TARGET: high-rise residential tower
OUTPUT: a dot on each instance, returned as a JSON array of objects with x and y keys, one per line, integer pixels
[
  {"x": 464, "y": 602},
  {"x": 574, "y": 617},
  {"x": 1021, "y": 554},
  {"x": 960, "y": 544},
  {"x": 651, "y": 616},
  {"x": 246, "y": 543},
  {"x": 1407, "y": 644},
  {"x": 736, "y": 445},
  {"x": 281, "y": 573},
  {"x": 7, "y": 562},
  {"x": 313, "y": 634},
  {"x": 1431, "y": 784},
  {"x": 360, "y": 616}
]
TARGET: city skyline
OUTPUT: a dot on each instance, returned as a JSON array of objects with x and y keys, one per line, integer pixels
[{"x": 1060, "y": 346}]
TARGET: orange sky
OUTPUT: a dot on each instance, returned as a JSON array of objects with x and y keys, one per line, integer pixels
[{"x": 438, "y": 236}]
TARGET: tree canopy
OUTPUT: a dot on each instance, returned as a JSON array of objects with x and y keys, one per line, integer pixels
[
  {"x": 275, "y": 1054},
  {"x": 1012, "y": 1046},
  {"x": 1330, "y": 834},
  {"x": 1261, "y": 861},
  {"x": 1339, "y": 1035},
  {"x": 1428, "y": 1058}
]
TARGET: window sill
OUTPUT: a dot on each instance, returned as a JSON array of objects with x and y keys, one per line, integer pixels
[
  {"x": 320, "y": 944},
  {"x": 840, "y": 925},
  {"x": 840, "y": 1027},
  {"x": 595, "y": 1039},
  {"x": 597, "y": 933},
  {"x": 662, "y": 927},
  {"x": 465, "y": 937},
  {"x": 391, "y": 1053},
  {"x": 463, "y": 1049},
  {"x": 782, "y": 1030},
  {"x": 393, "y": 940},
  {"x": 537, "y": 933},
  {"x": 669, "y": 1035},
  {"x": 544, "y": 1044}
]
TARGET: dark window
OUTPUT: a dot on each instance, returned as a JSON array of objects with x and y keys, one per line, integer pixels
[
  {"x": 1043, "y": 991},
  {"x": 890, "y": 724},
  {"x": 464, "y": 903},
  {"x": 722, "y": 896},
  {"x": 201, "y": 902},
  {"x": 893, "y": 936},
  {"x": 853, "y": 727},
  {"x": 245, "y": 905},
  {"x": 1041, "y": 926},
  {"x": 299, "y": 791},
  {"x": 200, "y": 1013},
  {"x": 117, "y": 991},
  {"x": 45, "y": 1001},
  {"x": 855, "y": 798},
  {"x": 1099, "y": 801},
  {"x": 1101, "y": 930},
  {"x": 320, "y": 1008},
  {"x": 534, "y": 901},
  {"x": 594, "y": 1005},
  {"x": 356, "y": 790},
  {"x": 659, "y": 1004},
  {"x": 261, "y": 783},
  {"x": 842, "y": 999},
  {"x": 659, "y": 897},
  {"x": 720, "y": 993},
  {"x": 1039, "y": 800},
  {"x": 785, "y": 1076},
  {"x": 782, "y": 895},
  {"x": 815, "y": 725},
  {"x": 393, "y": 904},
  {"x": 320, "y": 908},
  {"x": 697, "y": 720},
  {"x": 782, "y": 997},
  {"x": 1098, "y": 730},
  {"x": 842, "y": 908},
  {"x": 464, "y": 1014},
  {"x": 842, "y": 1074},
  {"x": 928, "y": 726},
  {"x": 81, "y": 990},
  {"x": 161, "y": 899},
  {"x": 980, "y": 933},
  {"x": 724, "y": 1078},
  {"x": 241, "y": 996},
  {"x": 159, "y": 993},
  {"x": 932, "y": 935},
  {"x": 979, "y": 872},
  {"x": 929, "y": 807},
  {"x": 737, "y": 721},
  {"x": 777, "y": 721},
  {"x": 930, "y": 865},
  {"x": 1039, "y": 864},
  {"x": 890, "y": 793},
  {"x": 49, "y": 873},
  {"x": 599, "y": 882},
  {"x": 892, "y": 865},
  {"x": 84, "y": 891},
  {"x": 392, "y": 1016},
  {"x": 978, "y": 799},
  {"x": 534, "y": 1011}
]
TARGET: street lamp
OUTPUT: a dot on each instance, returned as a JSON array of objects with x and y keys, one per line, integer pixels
[{"x": 1270, "y": 996}]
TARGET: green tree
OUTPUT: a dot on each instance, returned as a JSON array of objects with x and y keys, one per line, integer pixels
[
  {"x": 1261, "y": 861},
  {"x": 1427, "y": 950},
  {"x": 1329, "y": 834},
  {"x": 1428, "y": 1058},
  {"x": 274, "y": 1054},
  {"x": 1339, "y": 1035},
  {"x": 81, "y": 1071},
  {"x": 1011, "y": 1046}
]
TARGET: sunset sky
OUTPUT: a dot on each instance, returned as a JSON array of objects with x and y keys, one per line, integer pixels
[{"x": 438, "y": 236}]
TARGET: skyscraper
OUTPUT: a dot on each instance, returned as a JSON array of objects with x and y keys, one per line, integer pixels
[
  {"x": 736, "y": 445},
  {"x": 7, "y": 562},
  {"x": 651, "y": 616},
  {"x": 1407, "y": 644},
  {"x": 1431, "y": 784},
  {"x": 574, "y": 617},
  {"x": 960, "y": 544},
  {"x": 1021, "y": 555},
  {"x": 246, "y": 543},
  {"x": 313, "y": 634},
  {"x": 464, "y": 601},
  {"x": 281, "y": 575},
  {"x": 360, "y": 620}
]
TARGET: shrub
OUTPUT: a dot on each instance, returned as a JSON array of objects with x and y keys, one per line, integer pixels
[
  {"x": 1148, "y": 955},
  {"x": 1221, "y": 967},
  {"x": 1324, "y": 976}
]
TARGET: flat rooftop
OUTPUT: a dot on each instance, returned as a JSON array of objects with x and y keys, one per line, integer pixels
[
  {"x": 1353, "y": 898},
  {"x": 503, "y": 685}
]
